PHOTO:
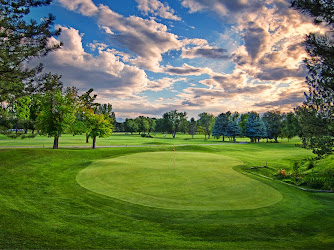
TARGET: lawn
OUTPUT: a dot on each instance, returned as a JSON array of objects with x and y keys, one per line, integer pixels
[{"x": 48, "y": 198}]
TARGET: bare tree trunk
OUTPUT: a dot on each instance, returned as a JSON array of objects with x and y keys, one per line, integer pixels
[
  {"x": 55, "y": 142},
  {"x": 94, "y": 142}
]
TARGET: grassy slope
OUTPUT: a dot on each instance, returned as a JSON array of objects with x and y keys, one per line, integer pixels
[{"x": 42, "y": 206}]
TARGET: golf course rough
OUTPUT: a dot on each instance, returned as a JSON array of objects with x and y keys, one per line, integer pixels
[{"x": 197, "y": 181}]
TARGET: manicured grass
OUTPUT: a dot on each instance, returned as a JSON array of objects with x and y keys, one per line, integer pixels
[
  {"x": 116, "y": 139},
  {"x": 43, "y": 206},
  {"x": 199, "y": 181}
]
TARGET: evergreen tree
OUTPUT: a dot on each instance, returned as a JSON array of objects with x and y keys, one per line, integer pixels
[
  {"x": 233, "y": 129},
  {"x": 221, "y": 123},
  {"x": 255, "y": 128},
  {"x": 20, "y": 41},
  {"x": 320, "y": 99}
]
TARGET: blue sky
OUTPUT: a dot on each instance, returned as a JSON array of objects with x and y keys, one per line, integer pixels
[{"x": 147, "y": 57}]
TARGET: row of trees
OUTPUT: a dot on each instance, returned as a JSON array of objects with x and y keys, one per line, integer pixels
[
  {"x": 54, "y": 111},
  {"x": 271, "y": 125}
]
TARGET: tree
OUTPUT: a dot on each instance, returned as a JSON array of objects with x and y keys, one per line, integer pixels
[
  {"x": 100, "y": 125},
  {"x": 243, "y": 122},
  {"x": 192, "y": 127},
  {"x": 206, "y": 122},
  {"x": 290, "y": 126},
  {"x": 130, "y": 125},
  {"x": 152, "y": 124},
  {"x": 20, "y": 41},
  {"x": 173, "y": 120},
  {"x": 233, "y": 129},
  {"x": 314, "y": 131},
  {"x": 221, "y": 122},
  {"x": 255, "y": 128},
  {"x": 273, "y": 124},
  {"x": 57, "y": 110},
  {"x": 320, "y": 99},
  {"x": 143, "y": 124}
]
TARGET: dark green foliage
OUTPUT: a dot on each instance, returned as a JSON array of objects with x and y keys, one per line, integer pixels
[
  {"x": 20, "y": 41},
  {"x": 316, "y": 131},
  {"x": 255, "y": 128},
  {"x": 290, "y": 126},
  {"x": 221, "y": 122},
  {"x": 130, "y": 125},
  {"x": 233, "y": 129},
  {"x": 173, "y": 120},
  {"x": 273, "y": 124},
  {"x": 192, "y": 127},
  {"x": 320, "y": 99}
]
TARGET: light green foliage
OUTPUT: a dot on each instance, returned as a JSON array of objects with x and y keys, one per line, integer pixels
[
  {"x": 57, "y": 111},
  {"x": 99, "y": 125},
  {"x": 206, "y": 121}
]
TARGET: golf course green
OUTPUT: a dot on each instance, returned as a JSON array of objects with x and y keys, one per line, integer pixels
[{"x": 197, "y": 181}]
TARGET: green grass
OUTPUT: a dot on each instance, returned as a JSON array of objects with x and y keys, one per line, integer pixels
[
  {"x": 43, "y": 206},
  {"x": 199, "y": 181},
  {"x": 116, "y": 139}
]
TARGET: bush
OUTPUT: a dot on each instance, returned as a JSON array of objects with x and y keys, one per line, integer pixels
[{"x": 281, "y": 173}]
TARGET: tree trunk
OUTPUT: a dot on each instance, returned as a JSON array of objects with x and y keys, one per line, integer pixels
[
  {"x": 87, "y": 138},
  {"x": 26, "y": 131},
  {"x": 192, "y": 135},
  {"x": 223, "y": 137},
  {"x": 174, "y": 134},
  {"x": 233, "y": 138},
  {"x": 55, "y": 142},
  {"x": 94, "y": 142},
  {"x": 276, "y": 141}
]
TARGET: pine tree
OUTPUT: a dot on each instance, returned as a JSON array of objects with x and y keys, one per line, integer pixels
[
  {"x": 221, "y": 122},
  {"x": 255, "y": 128},
  {"x": 233, "y": 129},
  {"x": 20, "y": 41}
]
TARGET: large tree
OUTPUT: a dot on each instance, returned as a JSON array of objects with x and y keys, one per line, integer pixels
[
  {"x": 320, "y": 99},
  {"x": 221, "y": 122},
  {"x": 20, "y": 41},
  {"x": 173, "y": 120},
  {"x": 255, "y": 128},
  {"x": 58, "y": 109},
  {"x": 273, "y": 123}
]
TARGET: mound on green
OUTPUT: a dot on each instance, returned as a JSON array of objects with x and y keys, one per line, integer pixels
[{"x": 198, "y": 181}]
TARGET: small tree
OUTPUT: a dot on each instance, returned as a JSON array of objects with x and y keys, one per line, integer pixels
[
  {"x": 206, "y": 121},
  {"x": 192, "y": 127},
  {"x": 100, "y": 125},
  {"x": 173, "y": 121}
]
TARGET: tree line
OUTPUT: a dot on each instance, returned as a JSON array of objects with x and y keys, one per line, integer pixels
[{"x": 31, "y": 100}]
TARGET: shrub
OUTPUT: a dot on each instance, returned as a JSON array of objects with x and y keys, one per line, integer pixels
[{"x": 281, "y": 173}]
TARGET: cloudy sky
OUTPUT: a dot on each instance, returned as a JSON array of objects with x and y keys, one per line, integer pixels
[{"x": 147, "y": 57}]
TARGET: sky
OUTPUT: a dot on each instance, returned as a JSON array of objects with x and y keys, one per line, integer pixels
[{"x": 147, "y": 57}]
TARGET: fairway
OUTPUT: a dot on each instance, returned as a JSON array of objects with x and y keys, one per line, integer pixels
[{"x": 198, "y": 181}]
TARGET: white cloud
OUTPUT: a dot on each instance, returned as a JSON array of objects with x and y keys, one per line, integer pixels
[
  {"x": 85, "y": 7},
  {"x": 156, "y": 8}
]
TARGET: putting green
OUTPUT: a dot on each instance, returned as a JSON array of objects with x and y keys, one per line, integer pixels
[{"x": 199, "y": 181}]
